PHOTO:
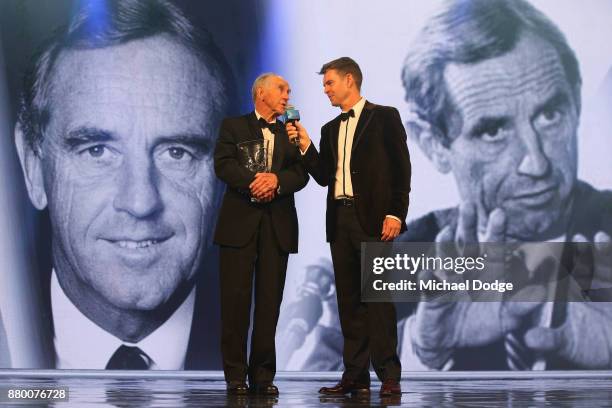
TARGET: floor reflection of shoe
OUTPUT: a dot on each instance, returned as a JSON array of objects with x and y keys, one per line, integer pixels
[
  {"x": 237, "y": 388},
  {"x": 264, "y": 389},
  {"x": 393, "y": 400},
  {"x": 335, "y": 399},
  {"x": 237, "y": 401}
]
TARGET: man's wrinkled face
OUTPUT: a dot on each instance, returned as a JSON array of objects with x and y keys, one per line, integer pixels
[
  {"x": 128, "y": 170},
  {"x": 275, "y": 95},
  {"x": 335, "y": 87},
  {"x": 514, "y": 136}
]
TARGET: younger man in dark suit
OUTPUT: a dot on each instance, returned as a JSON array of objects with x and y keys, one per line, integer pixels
[
  {"x": 256, "y": 235},
  {"x": 364, "y": 161}
]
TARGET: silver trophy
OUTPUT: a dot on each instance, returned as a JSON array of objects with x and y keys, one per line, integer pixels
[{"x": 253, "y": 155}]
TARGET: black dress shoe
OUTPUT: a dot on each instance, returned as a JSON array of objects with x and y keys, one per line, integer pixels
[
  {"x": 237, "y": 388},
  {"x": 346, "y": 387},
  {"x": 264, "y": 389}
]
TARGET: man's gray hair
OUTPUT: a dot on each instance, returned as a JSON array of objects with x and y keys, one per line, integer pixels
[
  {"x": 100, "y": 24},
  {"x": 260, "y": 82},
  {"x": 466, "y": 32}
]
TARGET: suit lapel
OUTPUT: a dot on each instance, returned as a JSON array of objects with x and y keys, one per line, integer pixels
[
  {"x": 277, "y": 153},
  {"x": 364, "y": 119},
  {"x": 334, "y": 128},
  {"x": 254, "y": 126}
]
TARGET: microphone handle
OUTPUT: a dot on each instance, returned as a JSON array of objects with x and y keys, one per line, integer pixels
[{"x": 295, "y": 140}]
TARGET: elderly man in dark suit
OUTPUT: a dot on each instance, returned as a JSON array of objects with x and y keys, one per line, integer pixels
[
  {"x": 364, "y": 161},
  {"x": 257, "y": 229}
]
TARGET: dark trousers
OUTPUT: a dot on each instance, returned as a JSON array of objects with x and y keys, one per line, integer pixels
[
  {"x": 369, "y": 328},
  {"x": 262, "y": 257}
]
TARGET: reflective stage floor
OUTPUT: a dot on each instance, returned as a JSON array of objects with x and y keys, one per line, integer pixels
[{"x": 207, "y": 389}]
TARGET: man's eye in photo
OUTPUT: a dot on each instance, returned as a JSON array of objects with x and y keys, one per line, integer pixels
[
  {"x": 177, "y": 152},
  {"x": 96, "y": 151}
]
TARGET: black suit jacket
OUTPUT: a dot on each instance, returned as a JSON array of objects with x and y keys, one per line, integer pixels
[
  {"x": 239, "y": 217},
  {"x": 380, "y": 167}
]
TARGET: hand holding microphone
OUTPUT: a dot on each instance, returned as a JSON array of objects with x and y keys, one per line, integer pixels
[
  {"x": 292, "y": 115},
  {"x": 297, "y": 134}
]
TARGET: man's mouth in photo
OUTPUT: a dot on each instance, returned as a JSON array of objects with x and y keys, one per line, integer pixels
[
  {"x": 137, "y": 251},
  {"x": 537, "y": 196},
  {"x": 135, "y": 243}
]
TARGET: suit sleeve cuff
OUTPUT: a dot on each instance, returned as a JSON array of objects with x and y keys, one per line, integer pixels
[
  {"x": 394, "y": 217},
  {"x": 305, "y": 150}
]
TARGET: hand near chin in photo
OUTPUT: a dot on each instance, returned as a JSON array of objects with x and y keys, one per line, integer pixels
[
  {"x": 454, "y": 320},
  {"x": 568, "y": 341}
]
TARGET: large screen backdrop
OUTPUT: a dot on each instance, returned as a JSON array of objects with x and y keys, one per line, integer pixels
[{"x": 293, "y": 39}]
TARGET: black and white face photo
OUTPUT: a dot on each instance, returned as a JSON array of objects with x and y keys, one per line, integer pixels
[{"x": 126, "y": 171}]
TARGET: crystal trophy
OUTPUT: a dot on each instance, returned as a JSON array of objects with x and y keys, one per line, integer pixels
[{"x": 253, "y": 155}]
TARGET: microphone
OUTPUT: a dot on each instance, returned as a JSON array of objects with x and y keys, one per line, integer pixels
[
  {"x": 304, "y": 314},
  {"x": 291, "y": 116}
]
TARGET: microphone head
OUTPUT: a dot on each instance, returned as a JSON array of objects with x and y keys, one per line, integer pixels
[{"x": 291, "y": 113}]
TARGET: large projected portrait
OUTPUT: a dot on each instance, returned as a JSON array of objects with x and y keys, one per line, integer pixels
[
  {"x": 115, "y": 135},
  {"x": 495, "y": 93},
  {"x": 115, "y": 132}
]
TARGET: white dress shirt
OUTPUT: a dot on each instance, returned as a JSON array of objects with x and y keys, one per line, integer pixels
[
  {"x": 346, "y": 133},
  {"x": 81, "y": 344},
  {"x": 268, "y": 137}
]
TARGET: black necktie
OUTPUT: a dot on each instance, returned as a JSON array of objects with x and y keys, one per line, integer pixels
[
  {"x": 129, "y": 358},
  {"x": 345, "y": 115},
  {"x": 265, "y": 124}
]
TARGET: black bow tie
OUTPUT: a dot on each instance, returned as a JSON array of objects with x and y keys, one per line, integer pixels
[
  {"x": 345, "y": 115},
  {"x": 129, "y": 358},
  {"x": 265, "y": 124}
]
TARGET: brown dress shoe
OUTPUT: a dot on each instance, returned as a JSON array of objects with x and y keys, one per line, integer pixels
[
  {"x": 390, "y": 387},
  {"x": 264, "y": 389},
  {"x": 237, "y": 388},
  {"x": 345, "y": 387}
]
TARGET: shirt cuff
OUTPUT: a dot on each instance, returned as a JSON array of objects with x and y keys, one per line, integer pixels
[
  {"x": 305, "y": 150},
  {"x": 394, "y": 217}
]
